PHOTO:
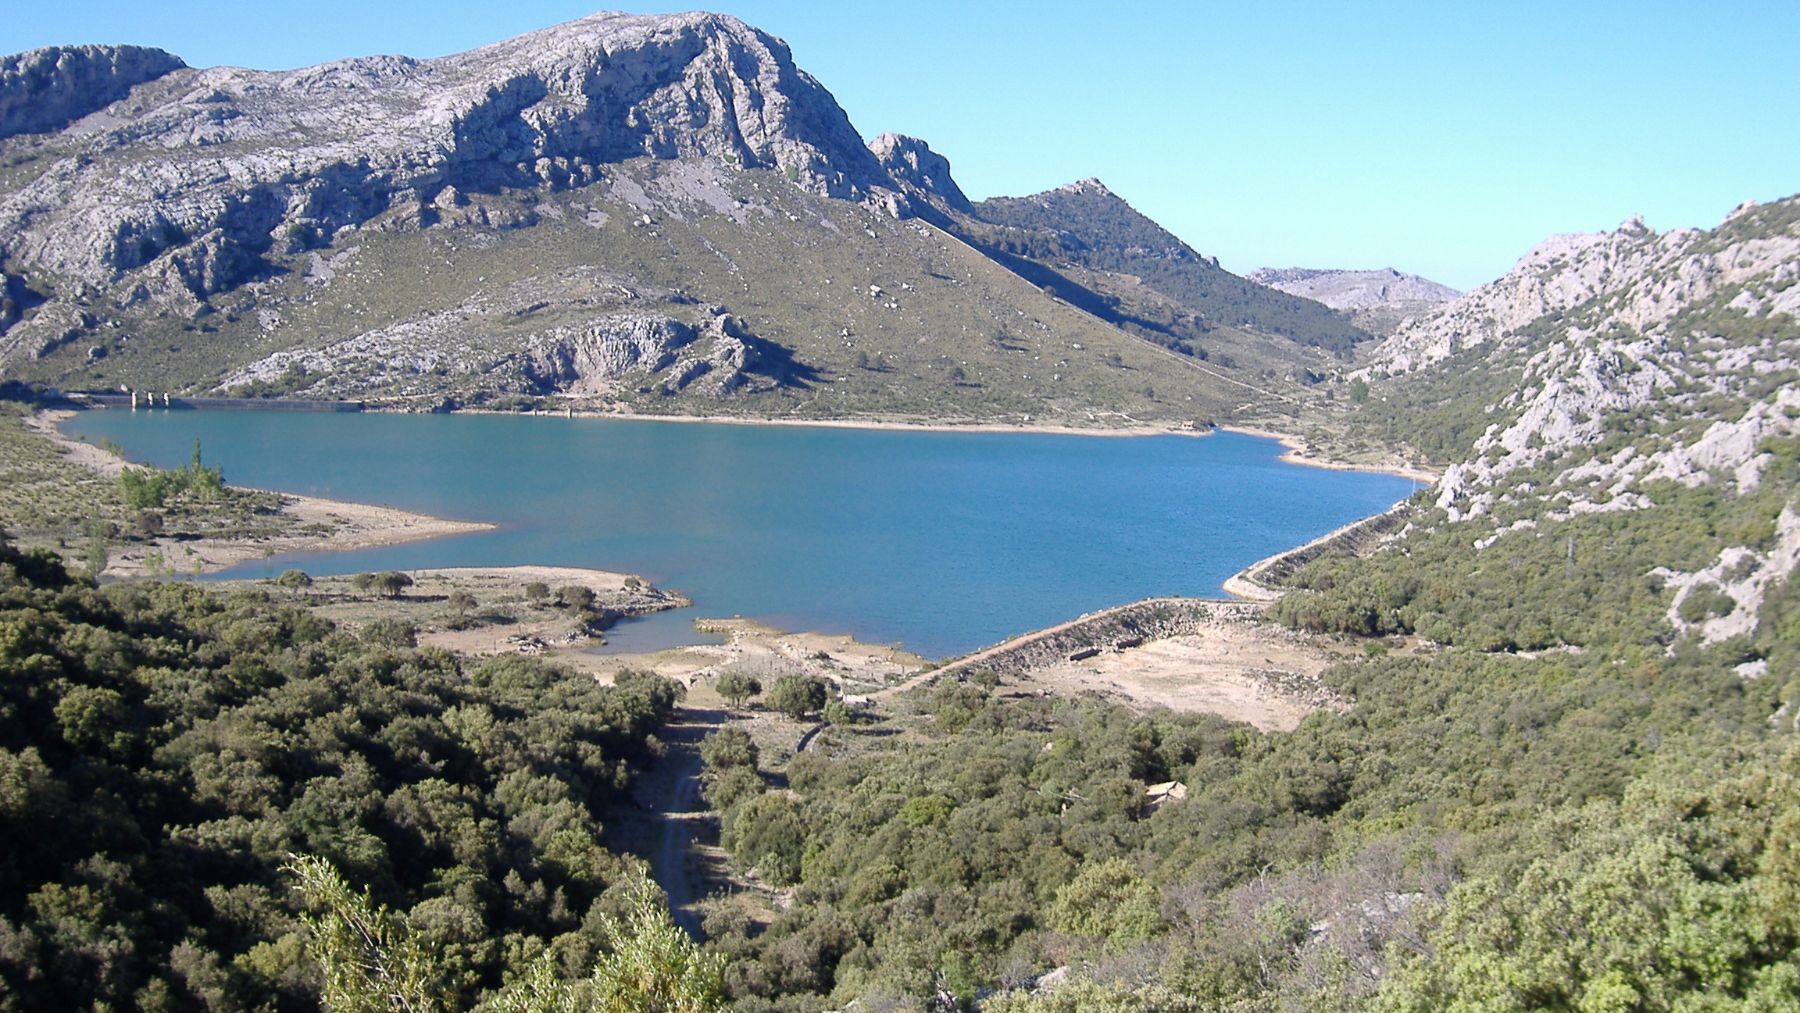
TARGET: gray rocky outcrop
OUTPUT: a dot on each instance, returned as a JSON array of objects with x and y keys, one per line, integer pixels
[
  {"x": 913, "y": 164},
  {"x": 593, "y": 358},
  {"x": 46, "y": 89},
  {"x": 580, "y": 360},
  {"x": 193, "y": 182}
]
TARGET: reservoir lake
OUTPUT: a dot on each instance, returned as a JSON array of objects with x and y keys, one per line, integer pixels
[{"x": 941, "y": 541}]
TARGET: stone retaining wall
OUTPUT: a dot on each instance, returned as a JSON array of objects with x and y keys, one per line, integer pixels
[
  {"x": 1357, "y": 539},
  {"x": 1110, "y": 629}
]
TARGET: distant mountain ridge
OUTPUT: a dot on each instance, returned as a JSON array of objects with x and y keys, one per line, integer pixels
[
  {"x": 1087, "y": 225},
  {"x": 1355, "y": 290}
]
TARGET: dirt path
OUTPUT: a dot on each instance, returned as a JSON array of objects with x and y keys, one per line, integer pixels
[{"x": 672, "y": 815}]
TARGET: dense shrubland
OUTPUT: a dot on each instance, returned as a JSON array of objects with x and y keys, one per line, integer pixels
[
  {"x": 164, "y": 750},
  {"x": 1011, "y": 838}
]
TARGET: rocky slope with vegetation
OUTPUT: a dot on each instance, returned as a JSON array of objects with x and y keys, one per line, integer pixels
[
  {"x": 654, "y": 212},
  {"x": 1089, "y": 237},
  {"x": 1658, "y": 372}
]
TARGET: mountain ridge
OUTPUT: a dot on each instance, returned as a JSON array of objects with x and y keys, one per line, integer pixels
[
  {"x": 352, "y": 229},
  {"x": 1087, "y": 225}
]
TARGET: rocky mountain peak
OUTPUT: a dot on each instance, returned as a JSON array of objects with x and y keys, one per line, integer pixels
[
  {"x": 1090, "y": 186},
  {"x": 49, "y": 88},
  {"x": 202, "y": 173},
  {"x": 912, "y": 163}
]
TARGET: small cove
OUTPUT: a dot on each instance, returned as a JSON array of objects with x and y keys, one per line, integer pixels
[{"x": 941, "y": 541}]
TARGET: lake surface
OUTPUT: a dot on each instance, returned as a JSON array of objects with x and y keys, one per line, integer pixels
[{"x": 944, "y": 542}]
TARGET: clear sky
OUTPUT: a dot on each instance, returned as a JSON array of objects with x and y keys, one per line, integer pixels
[{"x": 1444, "y": 137}]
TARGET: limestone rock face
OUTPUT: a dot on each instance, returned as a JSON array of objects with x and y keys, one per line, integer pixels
[
  {"x": 216, "y": 168},
  {"x": 578, "y": 360},
  {"x": 49, "y": 88},
  {"x": 913, "y": 164},
  {"x": 1355, "y": 290},
  {"x": 594, "y": 358}
]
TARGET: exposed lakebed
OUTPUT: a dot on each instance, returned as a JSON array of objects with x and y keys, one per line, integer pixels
[{"x": 942, "y": 541}]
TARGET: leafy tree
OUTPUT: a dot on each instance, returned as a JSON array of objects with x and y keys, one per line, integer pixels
[
  {"x": 390, "y": 583},
  {"x": 798, "y": 695},
  {"x": 651, "y": 965},
  {"x": 390, "y": 632},
  {"x": 1107, "y": 900},
  {"x": 149, "y": 523},
  {"x": 736, "y": 687},
  {"x": 577, "y": 598},
  {"x": 461, "y": 602},
  {"x": 98, "y": 531},
  {"x": 729, "y": 747},
  {"x": 373, "y": 961},
  {"x": 767, "y": 834}
]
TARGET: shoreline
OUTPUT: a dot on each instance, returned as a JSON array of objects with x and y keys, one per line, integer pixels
[
  {"x": 1295, "y": 452},
  {"x": 1134, "y": 428},
  {"x": 1244, "y": 584},
  {"x": 353, "y": 525}
]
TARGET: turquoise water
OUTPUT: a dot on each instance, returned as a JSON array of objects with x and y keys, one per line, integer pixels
[{"x": 941, "y": 541}]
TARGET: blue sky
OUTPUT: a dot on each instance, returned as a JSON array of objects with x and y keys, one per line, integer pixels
[{"x": 1441, "y": 138}]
